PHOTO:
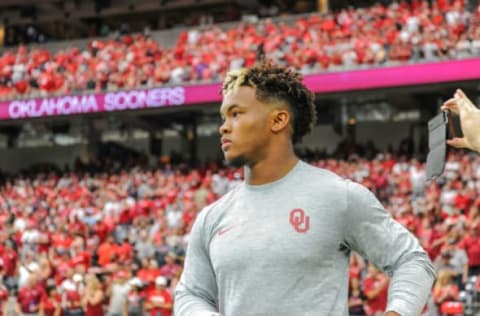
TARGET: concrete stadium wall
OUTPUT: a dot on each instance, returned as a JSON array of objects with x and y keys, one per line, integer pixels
[
  {"x": 383, "y": 134},
  {"x": 322, "y": 137},
  {"x": 16, "y": 159}
]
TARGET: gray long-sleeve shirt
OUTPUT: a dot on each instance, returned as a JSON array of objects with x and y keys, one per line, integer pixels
[{"x": 283, "y": 249}]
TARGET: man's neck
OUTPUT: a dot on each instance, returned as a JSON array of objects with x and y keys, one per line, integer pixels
[{"x": 271, "y": 169}]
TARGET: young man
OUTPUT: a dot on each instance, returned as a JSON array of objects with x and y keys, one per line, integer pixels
[{"x": 279, "y": 243}]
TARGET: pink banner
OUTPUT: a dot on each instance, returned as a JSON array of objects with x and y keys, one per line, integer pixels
[
  {"x": 397, "y": 76},
  {"x": 429, "y": 73}
]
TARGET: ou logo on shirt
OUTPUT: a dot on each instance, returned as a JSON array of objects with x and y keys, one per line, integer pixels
[{"x": 299, "y": 221}]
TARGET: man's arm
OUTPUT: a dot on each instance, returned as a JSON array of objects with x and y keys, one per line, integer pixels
[
  {"x": 373, "y": 233},
  {"x": 196, "y": 292}
]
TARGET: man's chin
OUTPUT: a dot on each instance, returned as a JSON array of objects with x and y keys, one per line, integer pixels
[{"x": 235, "y": 162}]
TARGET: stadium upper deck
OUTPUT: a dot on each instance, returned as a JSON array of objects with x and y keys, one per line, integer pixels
[{"x": 365, "y": 37}]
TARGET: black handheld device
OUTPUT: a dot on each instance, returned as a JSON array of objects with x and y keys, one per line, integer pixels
[{"x": 438, "y": 129}]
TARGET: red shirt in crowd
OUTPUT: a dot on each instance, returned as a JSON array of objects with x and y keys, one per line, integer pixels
[
  {"x": 105, "y": 253},
  {"x": 62, "y": 265},
  {"x": 29, "y": 299},
  {"x": 160, "y": 296},
  {"x": 61, "y": 241},
  {"x": 44, "y": 241},
  {"x": 50, "y": 303},
  {"x": 77, "y": 227},
  {"x": 378, "y": 303},
  {"x": 10, "y": 259},
  {"x": 74, "y": 299},
  {"x": 354, "y": 272},
  {"x": 471, "y": 244},
  {"x": 82, "y": 258},
  {"x": 148, "y": 276},
  {"x": 101, "y": 230},
  {"x": 124, "y": 252},
  {"x": 446, "y": 293}
]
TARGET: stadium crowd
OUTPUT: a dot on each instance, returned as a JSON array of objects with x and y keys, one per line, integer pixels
[
  {"x": 83, "y": 243},
  {"x": 398, "y": 33}
]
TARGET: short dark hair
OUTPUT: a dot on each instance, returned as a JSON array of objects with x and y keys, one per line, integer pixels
[{"x": 276, "y": 83}]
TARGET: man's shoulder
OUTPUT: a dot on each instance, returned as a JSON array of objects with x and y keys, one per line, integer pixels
[{"x": 313, "y": 173}]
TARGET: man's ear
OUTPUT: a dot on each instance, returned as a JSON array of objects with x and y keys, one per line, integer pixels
[{"x": 280, "y": 120}]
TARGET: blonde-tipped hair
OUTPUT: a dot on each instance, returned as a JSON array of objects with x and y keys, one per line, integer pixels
[
  {"x": 235, "y": 79},
  {"x": 278, "y": 85}
]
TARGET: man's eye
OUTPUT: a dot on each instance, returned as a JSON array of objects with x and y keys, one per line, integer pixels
[{"x": 235, "y": 114}]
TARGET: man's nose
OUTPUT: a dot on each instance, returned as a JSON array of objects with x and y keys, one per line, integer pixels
[{"x": 224, "y": 127}]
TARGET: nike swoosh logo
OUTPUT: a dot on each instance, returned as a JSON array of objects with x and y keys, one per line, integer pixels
[{"x": 224, "y": 230}]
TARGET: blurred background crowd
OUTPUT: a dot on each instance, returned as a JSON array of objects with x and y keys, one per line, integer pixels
[{"x": 113, "y": 241}]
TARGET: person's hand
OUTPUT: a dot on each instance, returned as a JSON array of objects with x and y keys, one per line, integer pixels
[
  {"x": 469, "y": 121},
  {"x": 392, "y": 314}
]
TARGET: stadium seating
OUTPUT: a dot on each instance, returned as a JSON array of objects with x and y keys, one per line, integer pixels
[
  {"x": 138, "y": 221},
  {"x": 366, "y": 37}
]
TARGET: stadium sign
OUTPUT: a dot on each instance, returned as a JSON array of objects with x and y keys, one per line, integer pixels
[
  {"x": 132, "y": 100},
  {"x": 52, "y": 106},
  {"x": 82, "y": 104},
  {"x": 338, "y": 81}
]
